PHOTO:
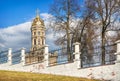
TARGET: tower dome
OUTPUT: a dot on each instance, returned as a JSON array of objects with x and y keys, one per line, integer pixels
[{"x": 37, "y": 21}]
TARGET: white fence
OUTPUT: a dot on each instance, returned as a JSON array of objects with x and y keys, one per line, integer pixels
[{"x": 105, "y": 72}]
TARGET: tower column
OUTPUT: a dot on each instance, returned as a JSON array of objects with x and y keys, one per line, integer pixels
[
  {"x": 44, "y": 41},
  {"x": 40, "y": 41}
]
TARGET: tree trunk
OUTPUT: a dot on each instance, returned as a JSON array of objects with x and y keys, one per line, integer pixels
[
  {"x": 103, "y": 48},
  {"x": 68, "y": 49},
  {"x": 68, "y": 43},
  {"x": 67, "y": 31}
]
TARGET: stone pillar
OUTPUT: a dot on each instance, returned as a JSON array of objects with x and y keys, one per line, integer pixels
[
  {"x": 118, "y": 52},
  {"x": 10, "y": 56},
  {"x": 117, "y": 62},
  {"x": 46, "y": 56},
  {"x": 23, "y": 56},
  {"x": 77, "y": 53}
]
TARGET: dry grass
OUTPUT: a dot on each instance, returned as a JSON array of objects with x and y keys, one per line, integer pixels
[{"x": 23, "y": 76}]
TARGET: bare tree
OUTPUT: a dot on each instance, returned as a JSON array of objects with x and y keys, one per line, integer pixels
[
  {"x": 64, "y": 11},
  {"x": 106, "y": 12}
]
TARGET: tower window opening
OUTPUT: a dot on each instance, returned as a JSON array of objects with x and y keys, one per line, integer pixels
[
  {"x": 34, "y": 41},
  {"x": 42, "y": 33},
  {"x": 43, "y": 42},
  {"x": 38, "y": 32}
]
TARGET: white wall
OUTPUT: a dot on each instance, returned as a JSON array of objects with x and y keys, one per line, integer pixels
[{"x": 107, "y": 72}]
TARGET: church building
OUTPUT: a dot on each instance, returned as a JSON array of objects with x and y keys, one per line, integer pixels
[
  {"x": 37, "y": 41},
  {"x": 37, "y": 33}
]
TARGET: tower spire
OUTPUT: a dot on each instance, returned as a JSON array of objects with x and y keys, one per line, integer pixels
[{"x": 37, "y": 12}]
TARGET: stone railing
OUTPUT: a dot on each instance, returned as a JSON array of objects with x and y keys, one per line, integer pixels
[{"x": 77, "y": 55}]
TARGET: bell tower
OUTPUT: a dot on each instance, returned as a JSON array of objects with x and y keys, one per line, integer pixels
[{"x": 37, "y": 33}]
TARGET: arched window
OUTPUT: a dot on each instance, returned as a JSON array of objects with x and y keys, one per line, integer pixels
[
  {"x": 42, "y": 41},
  {"x": 38, "y": 32},
  {"x": 34, "y": 33},
  {"x": 42, "y": 33},
  {"x": 34, "y": 41}
]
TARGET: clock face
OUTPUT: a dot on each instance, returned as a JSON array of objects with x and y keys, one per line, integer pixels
[{"x": 38, "y": 23}]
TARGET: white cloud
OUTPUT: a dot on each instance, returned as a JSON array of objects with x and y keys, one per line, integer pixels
[
  {"x": 19, "y": 36},
  {"x": 46, "y": 16},
  {"x": 16, "y": 37}
]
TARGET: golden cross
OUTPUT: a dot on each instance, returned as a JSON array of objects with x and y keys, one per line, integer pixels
[{"x": 37, "y": 12}]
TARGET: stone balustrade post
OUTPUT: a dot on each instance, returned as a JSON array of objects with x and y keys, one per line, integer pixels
[
  {"x": 77, "y": 53},
  {"x": 118, "y": 52},
  {"x": 117, "y": 62},
  {"x": 46, "y": 56},
  {"x": 23, "y": 56},
  {"x": 10, "y": 56}
]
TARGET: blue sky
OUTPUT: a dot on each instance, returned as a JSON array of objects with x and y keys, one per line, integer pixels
[
  {"x": 13, "y": 12},
  {"x": 15, "y": 22}
]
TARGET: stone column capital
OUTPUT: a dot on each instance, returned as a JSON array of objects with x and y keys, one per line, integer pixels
[
  {"x": 76, "y": 43},
  {"x": 22, "y": 48},
  {"x": 118, "y": 41}
]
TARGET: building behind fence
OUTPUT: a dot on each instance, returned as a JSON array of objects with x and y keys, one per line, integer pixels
[{"x": 56, "y": 62}]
